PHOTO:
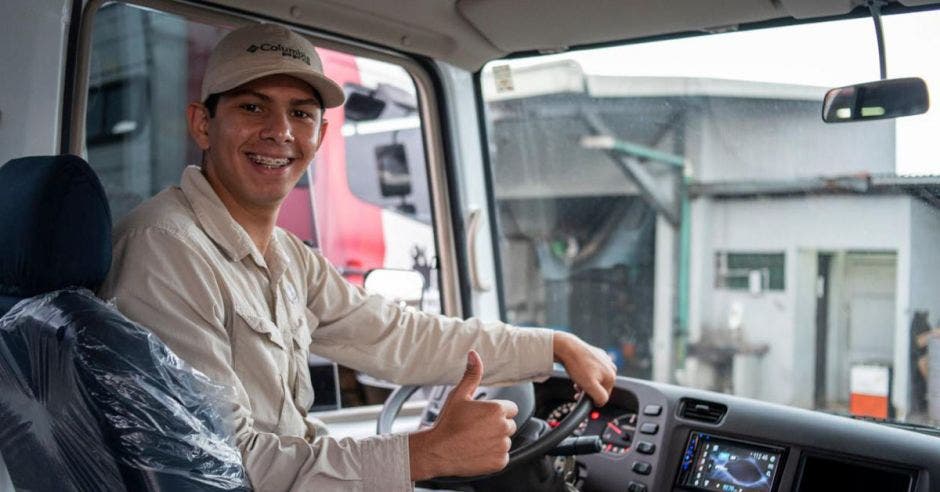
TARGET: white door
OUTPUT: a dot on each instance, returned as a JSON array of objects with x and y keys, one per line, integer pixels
[{"x": 868, "y": 308}]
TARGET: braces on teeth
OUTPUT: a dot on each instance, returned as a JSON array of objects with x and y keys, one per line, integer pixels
[{"x": 269, "y": 162}]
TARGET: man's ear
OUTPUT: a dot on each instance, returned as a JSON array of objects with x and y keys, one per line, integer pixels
[{"x": 197, "y": 115}]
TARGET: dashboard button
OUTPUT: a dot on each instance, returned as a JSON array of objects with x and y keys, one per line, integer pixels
[
  {"x": 636, "y": 487},
  {"x": 652, "y": 410},
  {"x": 642, "y": 467},
  {"x": 649, "y": 428},
  {"x": 645, "y": 447}
]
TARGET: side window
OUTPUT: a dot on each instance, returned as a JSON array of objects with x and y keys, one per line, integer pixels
[
  {"x": 371, "y": 193},
  {"x": 146, "y": 66},
  {"x": 750, "y": 271},
  {"x": 364, "y": 202}
]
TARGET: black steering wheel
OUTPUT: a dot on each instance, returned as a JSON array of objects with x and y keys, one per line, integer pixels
[{"x": 523, "y": 449}]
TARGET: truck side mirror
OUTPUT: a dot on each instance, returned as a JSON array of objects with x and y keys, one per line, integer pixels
[
  {"x": 361, "y": 104},
  {"x": 401, "y": 286},
  {"x": 394, "y": 176}
]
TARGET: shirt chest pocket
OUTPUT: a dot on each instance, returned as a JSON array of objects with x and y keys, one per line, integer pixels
[
  {"x": 301, "y": 384},
  {"x": 264, "y": 328},
  {"x": 260, "y": 357},
  {"x": 258, "y": 340}
]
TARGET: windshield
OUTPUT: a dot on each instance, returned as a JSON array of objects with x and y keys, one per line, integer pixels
[{"x": 681, "y": 204}]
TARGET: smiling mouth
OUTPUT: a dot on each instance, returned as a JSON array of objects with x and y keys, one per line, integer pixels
[{"x": 269, "y": 161}]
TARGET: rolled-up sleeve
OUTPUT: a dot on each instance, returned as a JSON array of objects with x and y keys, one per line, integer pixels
[
  {"x": 407, "y": 346},
  {"x": 167, "y": 286}
]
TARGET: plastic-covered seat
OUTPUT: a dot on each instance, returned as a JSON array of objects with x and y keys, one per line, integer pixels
[{"x": 88, "y": 399}]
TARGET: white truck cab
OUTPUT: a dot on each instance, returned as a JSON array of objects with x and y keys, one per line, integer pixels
[{"x": 673, "y": 181}]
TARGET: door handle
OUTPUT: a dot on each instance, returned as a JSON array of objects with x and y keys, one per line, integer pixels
[{"x": 474, "y": 222}]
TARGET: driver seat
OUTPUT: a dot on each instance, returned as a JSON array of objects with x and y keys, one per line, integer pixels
[{"x": 88, "y": 399}]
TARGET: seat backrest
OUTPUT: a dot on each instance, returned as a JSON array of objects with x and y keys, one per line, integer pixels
[{"x": 88, "y": 399}]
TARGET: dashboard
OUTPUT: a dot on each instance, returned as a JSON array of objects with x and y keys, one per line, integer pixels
[{"x": 658, "y": 437}]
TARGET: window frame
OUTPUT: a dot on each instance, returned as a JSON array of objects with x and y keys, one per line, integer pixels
[
  {"x": 738, "y": 273},
  {"x": 426, "y": 84}
]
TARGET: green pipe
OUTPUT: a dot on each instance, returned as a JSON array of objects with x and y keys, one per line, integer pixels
[
  {"x": 685, "y": 238},
  {"x": 647, "y": 153}
]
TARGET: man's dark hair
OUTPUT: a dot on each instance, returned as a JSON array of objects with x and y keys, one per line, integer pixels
[{"x": 212, "y": 102}]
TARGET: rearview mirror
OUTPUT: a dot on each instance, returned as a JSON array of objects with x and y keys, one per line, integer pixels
[
  {"x": 877, "y": 100},
  {"x": 401, "y": 286}
]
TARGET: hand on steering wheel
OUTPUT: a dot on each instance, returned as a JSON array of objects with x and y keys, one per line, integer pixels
[{"x": 481, "y": 450}]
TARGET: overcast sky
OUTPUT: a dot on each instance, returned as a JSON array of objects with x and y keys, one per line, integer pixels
[{"x": 840, "y": 54}]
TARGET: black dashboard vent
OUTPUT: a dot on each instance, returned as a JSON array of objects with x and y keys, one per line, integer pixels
[{"x": 702, "y": 411}]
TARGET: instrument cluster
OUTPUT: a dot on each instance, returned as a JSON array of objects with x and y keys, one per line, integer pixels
[{"x": 615, "y": 426}]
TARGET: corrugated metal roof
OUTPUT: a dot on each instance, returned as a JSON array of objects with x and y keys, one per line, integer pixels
[
  {"x": 926, "y": 188},
  {"x": 567, "y": 76}
]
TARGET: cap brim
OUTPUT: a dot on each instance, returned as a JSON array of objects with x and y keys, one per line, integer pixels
[{"x": 330, "y": 92}]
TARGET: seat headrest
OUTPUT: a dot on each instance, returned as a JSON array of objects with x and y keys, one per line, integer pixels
[{"x": 56, "y": 226}]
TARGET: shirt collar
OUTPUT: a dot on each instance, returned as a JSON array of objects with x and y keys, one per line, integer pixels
[{"x": 215, "y": 219}]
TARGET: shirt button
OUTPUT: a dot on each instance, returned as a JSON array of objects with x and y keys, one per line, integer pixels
[{"x": 291, "y": 292}]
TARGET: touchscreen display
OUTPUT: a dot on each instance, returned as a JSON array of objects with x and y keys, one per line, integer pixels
[{"x": 727, "y": 465}]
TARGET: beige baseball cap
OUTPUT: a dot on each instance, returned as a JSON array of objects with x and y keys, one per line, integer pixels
[{"x": 259, "y": 50}]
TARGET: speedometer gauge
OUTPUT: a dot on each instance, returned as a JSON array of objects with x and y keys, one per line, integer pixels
[
  {"x": 559, "y": 414},
  {"x": 618, "y": 433}
]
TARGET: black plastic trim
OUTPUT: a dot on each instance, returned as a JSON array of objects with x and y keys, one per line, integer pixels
[
  {"x": 883, "y": 466},
  {"x": 682, "y": 411},
  {"x": 71, "y": 68}
]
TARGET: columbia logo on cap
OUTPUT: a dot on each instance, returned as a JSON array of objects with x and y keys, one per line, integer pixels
[{"x": 284, "y": 50}]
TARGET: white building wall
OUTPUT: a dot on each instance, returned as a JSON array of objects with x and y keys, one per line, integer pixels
[
  {"x": 805, "y": 290},
  {"x": 796, "y": 227},
  {"x": 701, "y": 266},
  {"x": 740, "y": 140},
  {"x": 664, "y": 301}
]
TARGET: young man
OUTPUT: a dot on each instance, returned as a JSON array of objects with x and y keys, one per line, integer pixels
[{"x": 205, "y": 268}]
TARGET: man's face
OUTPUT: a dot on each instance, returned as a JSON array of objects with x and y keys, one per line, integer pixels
[{"x": 263, "y": 136}]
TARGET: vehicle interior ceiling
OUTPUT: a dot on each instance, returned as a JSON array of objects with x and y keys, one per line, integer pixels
[{"x": 469, "y": 33}]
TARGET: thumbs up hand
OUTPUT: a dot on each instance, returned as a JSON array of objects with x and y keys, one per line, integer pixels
[{"x": 471, "y": 437}]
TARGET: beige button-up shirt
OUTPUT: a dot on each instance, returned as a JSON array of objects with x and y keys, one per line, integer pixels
[{"x": 185, "y": 269}]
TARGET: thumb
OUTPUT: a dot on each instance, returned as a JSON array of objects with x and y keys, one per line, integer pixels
[{"x": 471, "y": 377}]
